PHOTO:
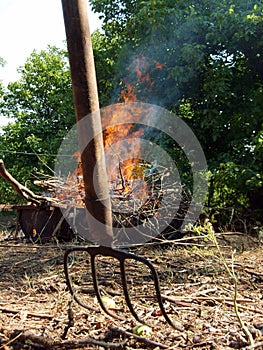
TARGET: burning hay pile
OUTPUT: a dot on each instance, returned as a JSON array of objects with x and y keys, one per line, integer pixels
[{"x": 137, "y": 192}]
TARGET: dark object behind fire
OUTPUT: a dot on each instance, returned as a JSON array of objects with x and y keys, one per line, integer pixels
[{"x": 41, "y": 224}]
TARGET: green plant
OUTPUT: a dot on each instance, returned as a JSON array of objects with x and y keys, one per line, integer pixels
[{"x": 207, "y": 231}]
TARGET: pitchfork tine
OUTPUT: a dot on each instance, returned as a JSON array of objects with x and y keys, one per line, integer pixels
[
  {"x": 156, "y": 285},
  {"x": 121, "y": 256}
]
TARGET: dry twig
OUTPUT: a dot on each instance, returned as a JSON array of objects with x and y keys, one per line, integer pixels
[
  {"x": 30, "y": 314},
  {"x": 50, "y": 343}
]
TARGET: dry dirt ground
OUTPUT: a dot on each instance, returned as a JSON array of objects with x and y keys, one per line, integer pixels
[{"x": 36, "y": 310}]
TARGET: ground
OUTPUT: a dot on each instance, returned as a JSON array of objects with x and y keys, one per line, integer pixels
[{"x": 37, "y": 311}]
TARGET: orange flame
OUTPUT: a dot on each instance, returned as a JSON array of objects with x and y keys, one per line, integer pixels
[
  {"x": 126, "y": 173},
  {"x": 128, "y": 94},
  {"x": 141, "y": 70},
  {"x": 159, "y": 65}
]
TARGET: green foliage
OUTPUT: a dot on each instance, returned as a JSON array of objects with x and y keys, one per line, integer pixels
[
  {"x": 40, "y": 106},
  {"x": 2, "y": 62},
  {"x": 203, "y": 60},
  {"x": 106, "y": 53}
]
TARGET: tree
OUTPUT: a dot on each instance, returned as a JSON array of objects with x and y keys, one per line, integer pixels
[
  {"x": 41, "y": 106},
  {"x": 106, "y": 52},
  {"x": 204, "y": 61},
  {"x": 2, "y": 63}
]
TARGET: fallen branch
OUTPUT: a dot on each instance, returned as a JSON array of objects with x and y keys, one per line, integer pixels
[
  {"x": 204, "y": 344},
  {"x": 255, "y": 346},
  {"x": 23, "y": 191},
  {"x": 258, "y": 311},
  {"x": 50, "y": 343},
  {"x": 254, "y": 273},
  {"x": 5, "y": 346},
  {"x": 191, "y": 299},
  {"x": 30, "y": 314}
]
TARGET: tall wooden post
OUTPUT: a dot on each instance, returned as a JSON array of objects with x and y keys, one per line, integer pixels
[{"x": 86, "y": 102}]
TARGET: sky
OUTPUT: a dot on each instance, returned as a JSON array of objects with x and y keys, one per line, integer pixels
[{"x": 27, "y": 25}]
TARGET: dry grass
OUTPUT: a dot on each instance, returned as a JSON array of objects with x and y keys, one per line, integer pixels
[{"x": 34, "y": 301}]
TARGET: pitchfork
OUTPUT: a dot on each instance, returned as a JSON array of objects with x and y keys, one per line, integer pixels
[{"x": 93, "y": 167}]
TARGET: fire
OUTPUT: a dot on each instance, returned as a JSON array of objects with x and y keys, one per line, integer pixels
[
  {"x": 141, "y": 69},
  {"x": 159, "y": 65},
  {"x": 126, "y": 170},
  {"x": 128, "y": 94},
  {"x": 73, "y": 188},
  {"x": 127, "y": 174}
]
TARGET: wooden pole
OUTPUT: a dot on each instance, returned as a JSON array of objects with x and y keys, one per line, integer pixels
[{"x": 86, "y": 102}]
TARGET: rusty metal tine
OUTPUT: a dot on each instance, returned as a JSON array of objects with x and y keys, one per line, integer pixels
[
  {"x": 126, "y": 292},
  {"x": 68, "y": 281},
  {"x": 96, "y": 288},
  {"x": 158, "y": 293},
  {"x": 156, "y": 285}
]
